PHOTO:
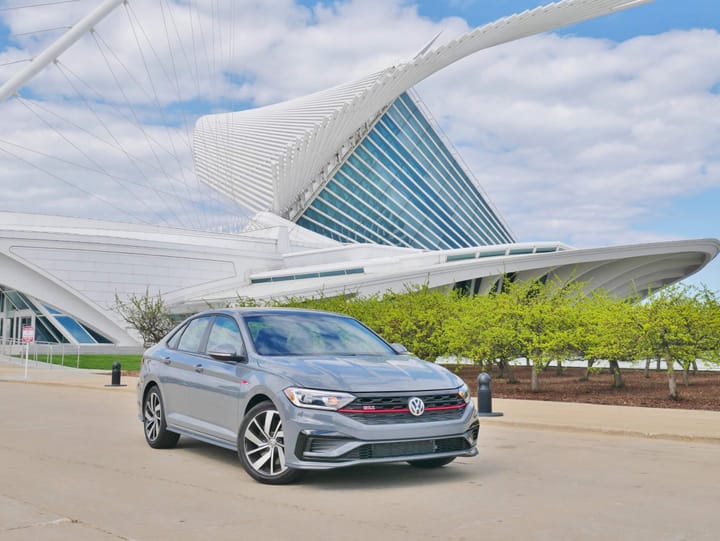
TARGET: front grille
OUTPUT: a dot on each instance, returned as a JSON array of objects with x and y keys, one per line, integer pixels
[
  {"x": 406, "y": 417},
  {"x": 407, "y": 448},
  {"x": 391, "y": 409}
]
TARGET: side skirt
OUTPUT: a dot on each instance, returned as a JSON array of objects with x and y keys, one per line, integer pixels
[{"x": 204, "y": 437}]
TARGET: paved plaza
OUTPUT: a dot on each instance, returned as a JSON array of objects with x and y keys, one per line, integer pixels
[{"x": 75, "y": 466}]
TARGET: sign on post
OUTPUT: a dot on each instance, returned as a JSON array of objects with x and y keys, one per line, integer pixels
[{"x": 28, "y": 334}]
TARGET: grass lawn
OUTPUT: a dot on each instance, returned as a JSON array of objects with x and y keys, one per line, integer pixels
[{"x": 97, "y": 362}]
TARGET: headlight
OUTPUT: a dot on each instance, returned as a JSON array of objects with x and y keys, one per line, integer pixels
[
  {"x": 464, "y": 393},
  {"x": 322, "y": 400}
]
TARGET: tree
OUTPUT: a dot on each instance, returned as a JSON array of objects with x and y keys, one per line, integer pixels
[
  {"x": 588, "y": 329},
  {"x": 467, "y": 330},
  {"x": 146, "y": 314},
  {"x": 525, "y": 313},
  {"x": 415, "y": 318},
  {"x": 618, "y": 334},
  {"x": 673, "y": 329},
  {"x": 708, "y": 305}
]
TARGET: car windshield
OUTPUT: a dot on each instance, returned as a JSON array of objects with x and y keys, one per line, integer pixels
[{"x": 313, "y": 334}]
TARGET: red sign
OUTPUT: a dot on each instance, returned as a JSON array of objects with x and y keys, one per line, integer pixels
[{"x": 28, "y": 333}]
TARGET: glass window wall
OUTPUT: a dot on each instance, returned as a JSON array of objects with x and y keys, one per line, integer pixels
[{"x": 402, "y": 186}]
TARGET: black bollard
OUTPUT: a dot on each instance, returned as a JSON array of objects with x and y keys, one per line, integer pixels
[
  {"x": 115, "y": 377},
  {"x": 484, "y": 397}
]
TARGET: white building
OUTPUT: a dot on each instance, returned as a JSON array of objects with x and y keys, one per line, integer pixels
[{"x": 355, "y": 191}]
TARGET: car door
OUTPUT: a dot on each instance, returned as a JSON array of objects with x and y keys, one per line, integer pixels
[
  {"x": 180, "y": 374},
  {"x": 221, "y": 385}
]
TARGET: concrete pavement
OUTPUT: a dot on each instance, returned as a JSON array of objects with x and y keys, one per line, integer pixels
[
  {"x": 74, "y": 466},
  {"x": 670, "y": 424}
]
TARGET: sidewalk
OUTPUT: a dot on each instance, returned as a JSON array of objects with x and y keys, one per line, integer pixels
[
  {"x": 12, "y": 369},
  {"x": 671, "y": 424},
  {"x": 661, "y": 423}
]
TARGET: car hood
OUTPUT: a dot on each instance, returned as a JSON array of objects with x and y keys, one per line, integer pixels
[{"x": 362, "y": 373}]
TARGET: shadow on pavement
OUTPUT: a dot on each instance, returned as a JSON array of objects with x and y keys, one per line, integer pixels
[{"x": 363, "y": 477}]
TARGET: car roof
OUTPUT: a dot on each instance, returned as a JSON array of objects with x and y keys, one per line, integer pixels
[{"x": 258, "y": 310}]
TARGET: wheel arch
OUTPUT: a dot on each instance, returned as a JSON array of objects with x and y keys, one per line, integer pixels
[{"x": 257, "y": 399}]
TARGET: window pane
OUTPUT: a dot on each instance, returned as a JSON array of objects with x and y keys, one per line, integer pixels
[
  {"x": 192, "y": 337},
  {"x": 224, "y": 335}
]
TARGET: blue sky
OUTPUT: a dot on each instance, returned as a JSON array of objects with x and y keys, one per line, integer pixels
[
  {"x": 551, "y": 169},
  {"x": 654, "y": 18}
]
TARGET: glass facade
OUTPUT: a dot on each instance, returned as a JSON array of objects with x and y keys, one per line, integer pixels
[
  {"x": 402, "y": 186},
  {"x": 51, "y": 325}
]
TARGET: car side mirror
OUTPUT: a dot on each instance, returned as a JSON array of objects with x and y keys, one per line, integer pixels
[
  {"x": 399, "y": 349},
  {"x": 227, "y": 352}
]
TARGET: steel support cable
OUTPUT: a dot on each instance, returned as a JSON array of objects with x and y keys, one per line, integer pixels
[
  {"x": 216, "y": 198},
  {"x": 161, "y": 64},
  {"x": 179, "y": 37},
  {"x": 219, "y": 49},
  {"x": 223, "y": 203},
  {"x": 16, "y": 62},
  {"x": 87, "y": 192},
  {"x": 215, "y": 47},
  {"x": 157, "y": 104},
  {"x": 194, "y": 47},
  {"x": 215, "y": 195},
  {"x": 213, "y": 18},
  {"x": 134, "y": 114},
  {"x": 177, "y": 78},
  {"x": 10, "y": 8},
  {"x": 39, "y": 31},
  {"x": 134, "y": 80},
  {"x": 233, "y": 44},
  {"x": 84, "y": 154},
  {"x": 120, "y": 114},
  {"x": 82, "y": 166},
  {"x": 204, "y": 41},
  {"x": 117, "y": 145}
]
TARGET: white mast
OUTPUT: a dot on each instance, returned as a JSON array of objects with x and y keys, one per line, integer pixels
[{"x": 49, "y": 55}]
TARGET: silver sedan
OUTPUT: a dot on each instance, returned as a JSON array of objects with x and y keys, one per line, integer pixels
[{"x": 293, "y": 390}]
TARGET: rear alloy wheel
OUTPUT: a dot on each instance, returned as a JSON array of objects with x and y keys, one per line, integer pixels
[
  {"x": 429, "y": 463},
  {"x": 156, "y": 433},
  {"x": 261, "y": 446}
]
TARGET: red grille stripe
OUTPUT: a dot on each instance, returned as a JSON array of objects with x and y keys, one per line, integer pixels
[{"x": 403, "y": 410}]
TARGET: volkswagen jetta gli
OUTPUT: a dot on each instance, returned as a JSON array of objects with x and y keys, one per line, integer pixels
[{"x": 295, "y": 390}]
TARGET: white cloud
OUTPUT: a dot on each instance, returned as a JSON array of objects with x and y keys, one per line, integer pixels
[{"x": 583, "y": 139}]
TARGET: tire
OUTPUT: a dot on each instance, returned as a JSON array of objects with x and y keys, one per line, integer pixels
[
  {"x": 156, "y": 433},
  {"x": 261, "y": 446},
  {"x": 429, "y": 463}
]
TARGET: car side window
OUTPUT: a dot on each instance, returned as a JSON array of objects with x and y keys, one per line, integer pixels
[
  {"x": 225, "y": 334},
  {"x": 192, "y": 336},
  {"x": 175, "y": 338}
]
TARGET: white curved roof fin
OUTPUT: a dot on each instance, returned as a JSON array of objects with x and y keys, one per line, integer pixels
[
  {"x": 428, "y": 45},
  {"x": 632, "y": 3}
]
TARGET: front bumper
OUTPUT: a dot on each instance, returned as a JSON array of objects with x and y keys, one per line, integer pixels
[{"x": 319, "y": 440}]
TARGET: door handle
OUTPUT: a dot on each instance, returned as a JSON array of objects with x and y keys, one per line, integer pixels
[
  {"x": 167, "y": 360},
  {"x": 199, "y": 368}
]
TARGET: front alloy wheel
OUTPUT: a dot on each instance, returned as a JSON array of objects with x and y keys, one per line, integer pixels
[
  {"x": 261, "y": 446},
  {"x": 156, "y": 433}
]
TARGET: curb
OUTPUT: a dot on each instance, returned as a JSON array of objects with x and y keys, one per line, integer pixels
[{"x": 606, "y": 431}]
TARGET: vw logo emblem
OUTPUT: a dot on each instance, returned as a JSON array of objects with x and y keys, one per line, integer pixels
[{"x": 416, "y": 406}]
